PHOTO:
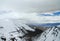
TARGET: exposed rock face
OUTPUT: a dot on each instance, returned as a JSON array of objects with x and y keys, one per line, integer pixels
[{"x": 52, "y": 34}]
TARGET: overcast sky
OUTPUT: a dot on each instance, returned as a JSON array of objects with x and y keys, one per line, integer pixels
[
  {"x": 28, "y": 9},
  {"x": 30, "y": 5}
]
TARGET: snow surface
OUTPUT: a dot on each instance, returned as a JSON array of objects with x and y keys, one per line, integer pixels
[
  {"x": 8, "y": 27},
  {"x": 52, "y": 34}
]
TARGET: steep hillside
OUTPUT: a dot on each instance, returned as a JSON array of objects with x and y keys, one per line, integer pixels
[{"x": 52, "y": 34}]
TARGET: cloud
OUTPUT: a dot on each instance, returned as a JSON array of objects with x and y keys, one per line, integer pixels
[
  {"x": 30, "y": 5},
  {"x": 4, "y": 14},
  {"x": 8, "y": 15},
  {"x": 32, "y": 17},
  {"x": 29, "y": 9}
]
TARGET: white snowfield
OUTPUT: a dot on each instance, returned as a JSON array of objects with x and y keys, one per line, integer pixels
[
  {"x": 9, "y": 27},
  {"x": 52, "y": 34}
]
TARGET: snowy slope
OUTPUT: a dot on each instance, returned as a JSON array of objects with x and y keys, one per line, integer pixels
[
  {"x": 52, "y": 34},
  {"x": 8, "y": 27}
]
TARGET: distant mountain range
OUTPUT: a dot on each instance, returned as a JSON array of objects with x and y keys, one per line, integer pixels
[{"x": 45, "y": 24}]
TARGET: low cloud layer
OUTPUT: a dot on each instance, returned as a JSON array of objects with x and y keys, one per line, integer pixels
[{"x": 33, "y": 17}]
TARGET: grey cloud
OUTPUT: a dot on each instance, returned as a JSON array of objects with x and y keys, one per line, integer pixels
[{"x": 31, "y": 5}]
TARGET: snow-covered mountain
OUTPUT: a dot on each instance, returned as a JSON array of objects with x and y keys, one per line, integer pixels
[
  {"x": 10, "y": 27},
  {"x": 52, "y": 34}
]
